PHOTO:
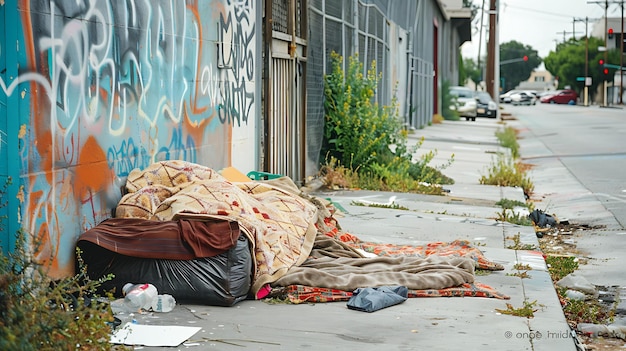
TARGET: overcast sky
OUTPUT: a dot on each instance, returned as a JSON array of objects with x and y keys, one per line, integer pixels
[{"x": 538, "y": 23}]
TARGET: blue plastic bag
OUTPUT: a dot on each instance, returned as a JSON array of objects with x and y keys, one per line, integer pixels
[{"x": 374, "y": 299}]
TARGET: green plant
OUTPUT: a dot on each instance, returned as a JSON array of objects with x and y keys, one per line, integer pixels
[
  {"x": 357, "y": 130},
  {"x": 505, "y": 172},
  {"x": 508, "y": 138},
  {"x": 527, "y": 310},
  {"x": 38, "y": 313},
  {"x": 560, "y": 266},
  {"x": 517, "y": 243},
  {"x": 510, "y": 204},
  {"x": 447, "y": 102},
  {"x": 519, "y": 274},
  {"x": 369, "y": 142},
  {"x": 512, "y": 217},
  {"x": 393, "y": 205}
]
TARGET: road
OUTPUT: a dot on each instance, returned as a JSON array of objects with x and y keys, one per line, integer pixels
[{"x": 578, "y": 156}]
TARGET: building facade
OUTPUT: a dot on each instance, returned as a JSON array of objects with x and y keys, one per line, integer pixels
[{"x": 91, "y": 90}]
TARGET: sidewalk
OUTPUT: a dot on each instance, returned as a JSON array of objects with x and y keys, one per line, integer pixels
[{"x": 458, "y": 323}]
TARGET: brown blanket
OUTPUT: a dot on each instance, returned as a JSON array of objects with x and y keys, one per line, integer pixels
[
  {"x": 171, "y": 240},
  {"x": 347, "y": 274}
]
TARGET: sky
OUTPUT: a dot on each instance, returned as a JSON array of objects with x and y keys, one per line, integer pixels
[{"x": 538, "y": 23}]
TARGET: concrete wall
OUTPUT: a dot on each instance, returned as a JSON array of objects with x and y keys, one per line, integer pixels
[{"x": 104, "y": 87}]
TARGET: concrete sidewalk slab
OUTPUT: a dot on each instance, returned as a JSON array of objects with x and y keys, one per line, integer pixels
[{"x": 468, "y": 212}]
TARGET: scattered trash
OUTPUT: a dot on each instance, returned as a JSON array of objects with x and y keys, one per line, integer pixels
[
  {"x": 374, "y": 299},
  {"x": 575, "y": 295},
  {"x": 579, "y": 283},
  {"x": 139, "y": 296},
  {"x": 145, "y": 297},
  {"x": 611, "y": 330},
  {"x": 163, "y": 303},
  {"x": 542, "y": 222},
  {"x": 152, "y": 335}
]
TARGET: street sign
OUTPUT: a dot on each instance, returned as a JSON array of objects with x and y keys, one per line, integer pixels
[{"x": 587, "y": 80}]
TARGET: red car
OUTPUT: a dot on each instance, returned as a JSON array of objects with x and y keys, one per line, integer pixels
[{"x": 566, "y": 96}]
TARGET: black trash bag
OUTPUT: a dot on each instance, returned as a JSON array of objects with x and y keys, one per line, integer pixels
[
  {"x": 374, "y": 299},
  {"x": 541, "y": 219}
]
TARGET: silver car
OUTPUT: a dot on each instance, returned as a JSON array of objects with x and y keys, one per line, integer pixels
[{"x": 464, "y": 102}]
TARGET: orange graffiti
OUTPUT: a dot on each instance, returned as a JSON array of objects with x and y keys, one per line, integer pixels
[
  {"x": 92, "y": 170},
  {"x": 194, "y": 99}
]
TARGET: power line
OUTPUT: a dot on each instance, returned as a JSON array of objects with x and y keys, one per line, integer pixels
[{"x": 539, "y": 11}]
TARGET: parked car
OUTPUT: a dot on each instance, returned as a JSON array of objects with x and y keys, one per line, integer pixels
[
  {"x": 524, "y": 98},
  {"x": 485, "y": 107},
  {"x": 506, "y": 97},
  {"x": 566, "y": 96},
  {"x": 465, "y": 102}
]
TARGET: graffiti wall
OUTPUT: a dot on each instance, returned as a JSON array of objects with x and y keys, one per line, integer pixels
[{"x": 105, "y": 87}]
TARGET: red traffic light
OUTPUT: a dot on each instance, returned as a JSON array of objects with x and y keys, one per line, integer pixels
[
  {"x": 605, "y": 71},
  {"x": 525, "y": 58},
  {"x": 601, "y": 62},
  {"x": 610, "y": 31}
]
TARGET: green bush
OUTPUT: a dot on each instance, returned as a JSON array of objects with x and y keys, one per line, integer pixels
[
  {"x": 39, "y": 313},
  {"x": 447, "y": 101},
  {"x": 505, "y": 172},
  {"x": 358, "y": 131},
  {"x": 369, "y": 140}
]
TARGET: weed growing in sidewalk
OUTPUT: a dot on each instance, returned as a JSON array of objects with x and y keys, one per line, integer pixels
[
  {"x": 517, "y": 243},
  {"x": 505, "y": 172},
  {"x": 508, "y": 138},
  {"x": 560, "y": 266},
  {"x": 512, "y": 217},
  {"x": 393, "y": 205},
  {"x": 39, "y": 313},
  {"x": 527, "y": 310},
  {"x": 522, "y": 271}
]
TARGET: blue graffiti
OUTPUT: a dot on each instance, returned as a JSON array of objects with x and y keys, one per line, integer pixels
[
  {"x": 178, "y": 149},
  {"x": 128, "y": 157}
]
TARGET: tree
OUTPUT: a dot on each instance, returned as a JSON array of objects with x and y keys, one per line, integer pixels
[
  {"x": 568, "y": 63},
  {"x": 517, "y": 61},
  {"x": 471, "y": 71}
]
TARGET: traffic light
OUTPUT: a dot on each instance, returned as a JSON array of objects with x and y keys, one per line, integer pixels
[
  {"x": 525, "y": 58},
  {"x": 610, "y": 32},
  {"x": 604, "y": 71}
]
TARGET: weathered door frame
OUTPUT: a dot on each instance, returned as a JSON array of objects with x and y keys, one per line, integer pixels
[
  {"x": 9, "y": 126},
  {"x": 284, "y": 93}
]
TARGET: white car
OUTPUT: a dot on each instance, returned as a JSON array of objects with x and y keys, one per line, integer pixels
[
  {"x": 465, "y": 102},
  {"x": 506, "y": 97},
  {"x": 523, "y": 98}
]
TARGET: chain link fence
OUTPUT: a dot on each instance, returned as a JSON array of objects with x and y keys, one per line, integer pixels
[{"x": 354, "y": 26}]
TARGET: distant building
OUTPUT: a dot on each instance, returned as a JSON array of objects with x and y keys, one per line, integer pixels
[
  {"x": 538, "y": 81},
  {"x": 614, "y": 34}
]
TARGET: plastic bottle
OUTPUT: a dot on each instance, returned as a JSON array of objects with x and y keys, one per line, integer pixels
[
  {"x": 139, "y": 296},
  {"x": 163, "y": 303}
]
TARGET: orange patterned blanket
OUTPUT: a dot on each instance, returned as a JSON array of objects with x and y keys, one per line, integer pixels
[{"x": 283, "y": 224}]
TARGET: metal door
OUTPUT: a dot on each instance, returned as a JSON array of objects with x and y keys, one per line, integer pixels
[
  {"x": 9, "y": 124},
  {"x": 284, "y": 93}
]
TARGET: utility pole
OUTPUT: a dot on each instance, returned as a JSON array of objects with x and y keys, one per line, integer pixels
[
  {"x": 606, "y": 49},
  {"x": 491, "y": 55},
  {"x": 587, "y": 79},
  {"x": 606, "y": 53},
  {"x": 621, "y": 58},
  {"x": 480, "y": 40}
]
